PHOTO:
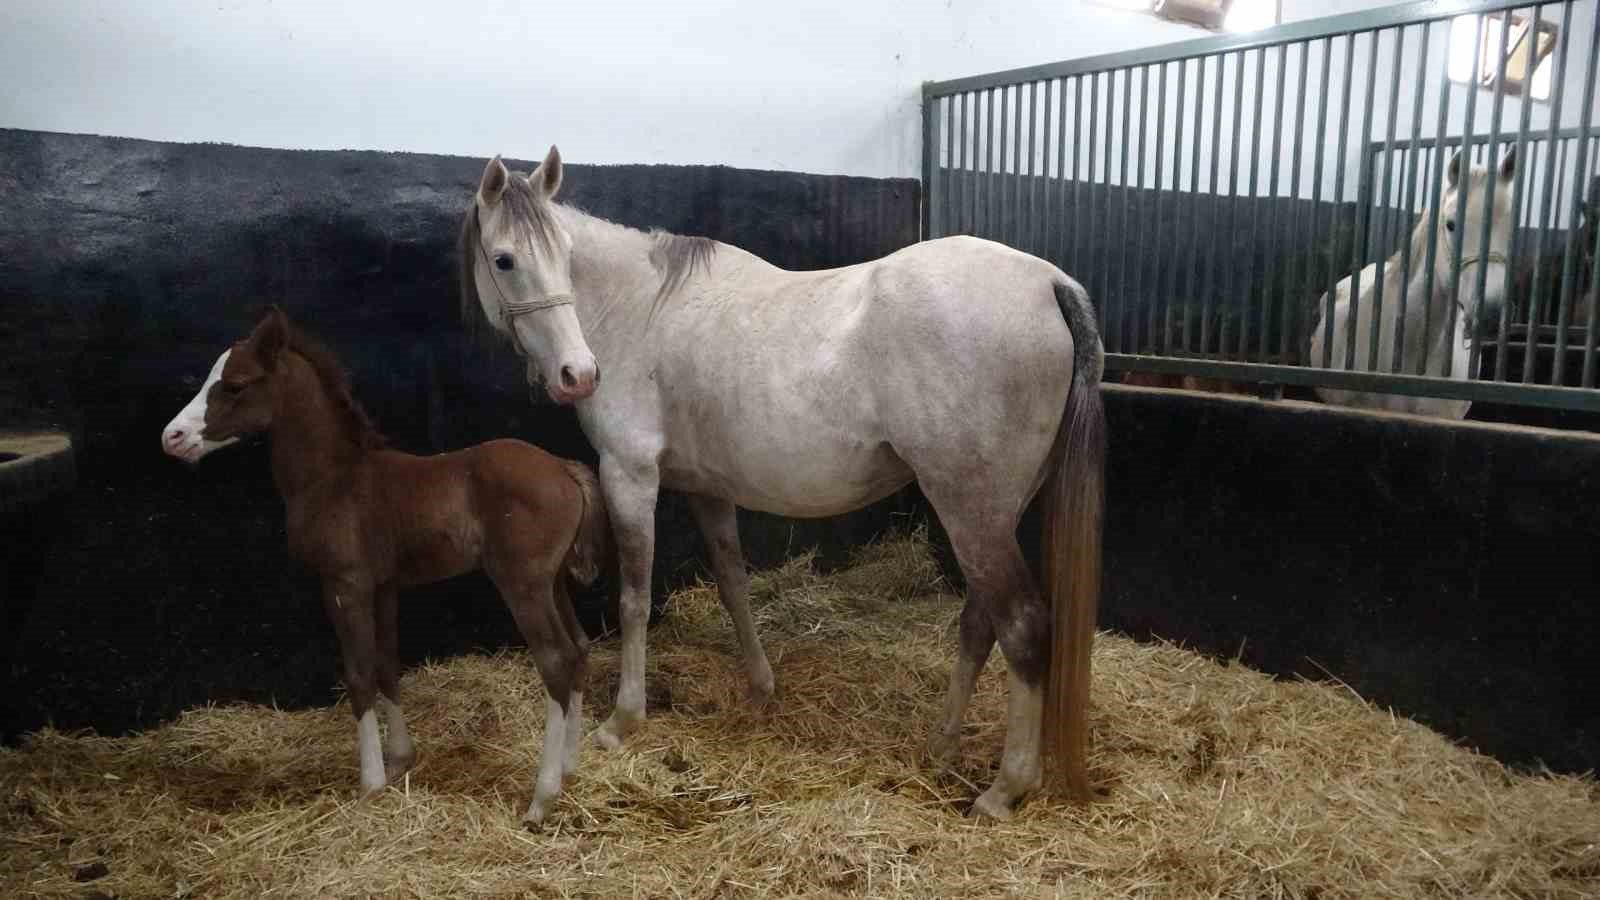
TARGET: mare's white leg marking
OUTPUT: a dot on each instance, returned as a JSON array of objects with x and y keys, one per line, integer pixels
[
  {"x": 574, "y": 731},
  {"x": 372, "y": 778},
  {"x": 1020, "y": 770},
  {"x": 181, "y": 438},
  {"x": 944, "y": 745},
  {"x": 548, "y": 787},
  {"x": 398, "y": 750}
]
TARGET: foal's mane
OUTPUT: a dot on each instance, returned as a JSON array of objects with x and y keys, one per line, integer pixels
[
  {"x": 675, "y": 257},
  {"x": 330, "y": 372}
]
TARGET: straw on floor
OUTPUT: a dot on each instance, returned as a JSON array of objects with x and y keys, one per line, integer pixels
[{"x": 1216, "y": 781}]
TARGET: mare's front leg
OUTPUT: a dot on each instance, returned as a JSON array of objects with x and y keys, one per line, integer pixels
[
  {"x": 350, "y": 608},
  {"x": 631, "y": 490},
  {"x": 399, "y": 753},
  {"x": 719, "y": 525}
]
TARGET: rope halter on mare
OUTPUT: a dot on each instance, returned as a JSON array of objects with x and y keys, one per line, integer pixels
[
  {"x": 511, "y": 309},
  {"x": 1493, "y": 256}
]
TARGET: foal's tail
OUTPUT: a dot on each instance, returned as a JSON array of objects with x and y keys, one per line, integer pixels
[
  {"x": 591, "y": 548},
  {"x": 1074, "y": 504}
]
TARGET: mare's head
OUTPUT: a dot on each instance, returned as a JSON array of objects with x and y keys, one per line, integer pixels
[
  {"x": 1469, "y": 197},
  {"x": 516, "y": 265}
]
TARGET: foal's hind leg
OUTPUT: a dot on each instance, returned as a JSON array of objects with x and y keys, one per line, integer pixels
[
  {"x": 719, "y": 524},
  {"x": 399, "y": 753},
  {"x": 572, "y": 727},
  {"x": 533, "y": 605}
]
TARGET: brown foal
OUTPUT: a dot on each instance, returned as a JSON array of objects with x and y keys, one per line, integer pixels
[{"x": 370, "y": 520}]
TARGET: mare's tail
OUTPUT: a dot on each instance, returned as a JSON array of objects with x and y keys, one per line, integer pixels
[{"x": 1075, "y": 500}]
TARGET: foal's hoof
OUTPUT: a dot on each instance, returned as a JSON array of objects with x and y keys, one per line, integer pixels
[
  {"x": 533, "y": 819},
  {"x": 395, "y": 768}
]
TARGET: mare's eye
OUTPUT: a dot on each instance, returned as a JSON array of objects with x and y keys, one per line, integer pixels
[
  {"x": 1450, "y": 225},
  {"x": 502, "y": 262}
]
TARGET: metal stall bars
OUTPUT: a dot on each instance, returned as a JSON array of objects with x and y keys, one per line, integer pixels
[{"x": 1218, "y": 251}]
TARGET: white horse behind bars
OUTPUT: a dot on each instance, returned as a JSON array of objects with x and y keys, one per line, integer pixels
[
  {"x": 1428, "y": 327},
  {"x": 967, "y": 366}
]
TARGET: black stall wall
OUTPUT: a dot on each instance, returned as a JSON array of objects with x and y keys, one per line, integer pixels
[{"x": 127, "y": 266}]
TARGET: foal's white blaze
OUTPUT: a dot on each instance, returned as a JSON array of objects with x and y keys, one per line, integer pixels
[
  {"x": 182, "y": 436},
  {"x": 372, "y": 777},
  {"x": 548, "y": 786}
]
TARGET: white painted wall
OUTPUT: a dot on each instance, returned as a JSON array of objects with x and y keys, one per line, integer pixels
[{"x": 807, "y": 85}]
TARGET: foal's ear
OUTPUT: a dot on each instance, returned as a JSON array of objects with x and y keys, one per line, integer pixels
[
  {"x": 493, "y": 183},
  {"x": 1455, "y": 169},
  {"x": 270, "y": 337},
  {"x": 1508, "y": 166},
  {"x": 547, "y": 178}
]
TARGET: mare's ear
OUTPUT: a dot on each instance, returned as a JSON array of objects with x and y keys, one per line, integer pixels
[
  {"x": 547, "y": 178},
  {"x": 271, "y": 337},
  {"x": 1455, "y": 168},
  {"x": 1508, "y": 165},
  {"x": 493, "y": 183}
]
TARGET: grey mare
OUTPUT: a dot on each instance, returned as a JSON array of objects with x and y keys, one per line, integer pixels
[
  {"x": 965, "y": 365},
  {"x": 1427, "y": 326}
]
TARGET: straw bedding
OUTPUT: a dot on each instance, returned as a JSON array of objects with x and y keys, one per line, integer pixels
[{"x": 1216, "y": 781}]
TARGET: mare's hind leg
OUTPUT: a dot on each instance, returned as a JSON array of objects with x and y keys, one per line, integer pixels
[
  {"x": 399, "y": 753},
  {"x": 999, "y": 588},
  {"x": 719, "y": 524},
  {"x": 977, "y": 640},
  {"x": 349, "y": 607}
]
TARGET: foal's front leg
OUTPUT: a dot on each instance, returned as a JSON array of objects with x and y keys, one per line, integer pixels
[
  {"x": 631, "y": 491},
  {"x": 350, "y": 609}
]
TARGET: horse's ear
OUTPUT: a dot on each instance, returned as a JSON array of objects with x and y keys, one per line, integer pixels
[
  {"x": 547, "y": 178},
  {"x": 1455, "y": 168},
  {"x": 1508, "y": 166},
  {"x": 493, "y": 183},
  {"x": 270, "y": 337}
]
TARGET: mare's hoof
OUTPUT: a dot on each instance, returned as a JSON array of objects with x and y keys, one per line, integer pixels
[
  {"x": 989, "y": 806},
  {"x": 614, "y": 732},
  {"x": 395, "y": 769},
  {"x": 944, "y": 750}
]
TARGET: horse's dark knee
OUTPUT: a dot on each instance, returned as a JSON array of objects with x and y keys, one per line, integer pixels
[
  {"x": 977, "y": 631},
  {"x": 361, "y": 684},
  {"x": 1024, "y": 636}
]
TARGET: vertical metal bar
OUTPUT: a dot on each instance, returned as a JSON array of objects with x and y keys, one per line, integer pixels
[
  {"x": 1436, "y": 179},
  {"x": 1230, "y": 306},
  {"x": 1456, "y": 242},
  {"x": 1047, "y": 209},
  {"x": 1325, "y": 93},
  {"x": 1014, "y": 185},
  {"x": 1158, "y": 258},
  {"x": 1255, "y": 219},
  {"x": 1193, "y": 291},
  {"x": 1025, "y": 170},
  {"x": 930, "y": 170},
  {"x": 947, "y": 119},
  {"x": 1382, "y": 254},
  {"x": 1120, "y": 299},
  {"x": 1492, "y": 160},
  {"x": 1269, "y": 285},
  {"x": 959, "y": 163},
  {"x": 1361, "y": 216},
  {"x": 1177, "y": 197},
  {"x": 1060, "y": 214},
  {"x": 1088, "y": 245},
  {"x": 1557, "y": 84},
  {"x": 1524, "y": 168},
  {"x": 1411, "y": 197},
  {"x": 1582, "y": 194},
  {"x": 1105, "y": 242},
  {"x": 1216, "y": 201},
  {"x": 1287, "y": 317},
  {"x": 1002, "y": 230},
  {"x": 1130, "y": 302},
  {"x": 1338, "y": 172},
  {"x": 1069, "y": 243}
]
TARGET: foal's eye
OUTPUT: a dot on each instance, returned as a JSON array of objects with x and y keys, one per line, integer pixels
[
  {"x": 1450, "y": 225},
  {"x": 502, "y": 262}
]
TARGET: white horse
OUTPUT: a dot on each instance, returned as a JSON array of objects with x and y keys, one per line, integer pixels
[
  {"x": 965, "y": 365},
  {"x": 1458, "y": 222}
]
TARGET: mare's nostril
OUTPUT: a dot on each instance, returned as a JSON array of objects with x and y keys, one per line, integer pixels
[
  {"x": 568, "y": 379},
  {"x": 174, "y": 436}
]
